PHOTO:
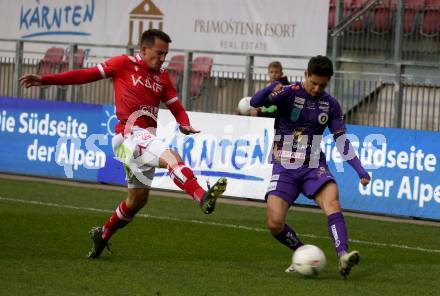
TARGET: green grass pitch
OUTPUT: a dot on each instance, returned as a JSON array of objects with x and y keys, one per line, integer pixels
[{"x": 174, "y": 249}]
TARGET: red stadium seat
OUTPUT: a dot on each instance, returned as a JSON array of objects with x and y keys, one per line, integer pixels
[
  {"x": 409, "y": 21},
  {"x": 175, "y": 69},
  {"x": 347, "y": 4},
  {"x": 431, "y": 23},
  {"x": 358, "y": 3},
  {"x": 201, "y": 68},
  {"x": 80, "y": 55},
  {"x": 432, "y": 4},
  {"x": 351, "y": 6},
  {"x": 392, "y": 4},
  {"x": 51, "y": 61},
  {"x": 411, "y": 10},
  {"x": 414, "y": 4},
  {"x": 331, "y": 18},
  {"x": 381, "y": 20}
]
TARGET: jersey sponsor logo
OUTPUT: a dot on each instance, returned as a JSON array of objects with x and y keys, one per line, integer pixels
[
  {"x": 323, "y": 118},
  {"x": 299, "y": 101},
  {"x": 311, "y": 105},
  {"x": 294, "y": 115},
  {"x": 324, "y": 106},
  {"x": 149, "y": 110},
  {"x": 146, "y": 82}
]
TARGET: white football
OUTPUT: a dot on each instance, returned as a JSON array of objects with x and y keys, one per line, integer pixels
[
  {"x": 308, "y": 260},
  {"x": 244, "y": 106}
]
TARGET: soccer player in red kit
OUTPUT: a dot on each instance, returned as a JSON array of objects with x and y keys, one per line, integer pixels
[{"x": 140, "y": 85}]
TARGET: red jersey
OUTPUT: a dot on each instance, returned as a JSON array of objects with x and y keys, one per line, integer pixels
[{"x": 137, "y": 88}]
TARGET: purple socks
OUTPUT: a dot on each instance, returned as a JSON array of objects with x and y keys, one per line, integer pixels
[
  {"x": 338, "y": 232},
  {"x": 288, "y": 238}
]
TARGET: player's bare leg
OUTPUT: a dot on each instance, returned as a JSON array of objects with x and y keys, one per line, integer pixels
[
  {"x": 184, "y": 178},
  {"x": 328, "y": 200}
]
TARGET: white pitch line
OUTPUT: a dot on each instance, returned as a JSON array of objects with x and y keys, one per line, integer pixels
[{"x": 235, "y": 226}]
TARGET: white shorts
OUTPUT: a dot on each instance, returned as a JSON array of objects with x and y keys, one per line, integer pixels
[{"x": 139, "y": 152}]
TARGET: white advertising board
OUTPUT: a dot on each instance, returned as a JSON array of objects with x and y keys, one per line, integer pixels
[{"x": 282, "y": 27}]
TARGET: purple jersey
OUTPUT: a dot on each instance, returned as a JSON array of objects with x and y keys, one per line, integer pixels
[{"x": 300, "y": 123}]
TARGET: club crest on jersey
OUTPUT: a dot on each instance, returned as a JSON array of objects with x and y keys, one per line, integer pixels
[
  {"x": 323, "y": 118},
  {"x": 322, "y": 171}
]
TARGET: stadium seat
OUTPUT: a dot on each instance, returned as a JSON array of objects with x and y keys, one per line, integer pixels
[
  {"x": 431, "y": 18},
  {"x": 432, "y": 4},
  {"x": 351, "y": 6},
  {"x": 358, "y": 3},
  {"x": 391, "y": 4},
  {"x": 201, "y": 68},
  {"x": 414, "y": 4},
  {"x": 80, "y": 55},
  {"x": 175, "y": 69},
  {"x": 51, "y": 61},
  {"x": 381, "y": 19},
  {"x": 411, "y": 10},
  {"x": 331, "y": 18},
  {"x": 347, "y": 4}
]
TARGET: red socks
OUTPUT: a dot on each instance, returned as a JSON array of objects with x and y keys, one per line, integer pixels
[
  {"x": 184, "y": 178},
  {"x": 121, "y": 217}
]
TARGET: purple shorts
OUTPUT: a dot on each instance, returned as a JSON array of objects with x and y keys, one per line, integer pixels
[{"x": 289, "y": 183}]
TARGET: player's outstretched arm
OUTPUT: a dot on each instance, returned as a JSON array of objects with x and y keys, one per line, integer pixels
[
  {"x": 343, "y": 144},
  {"x": 77, "y": 76},
  {"x": 30, "y": 80},
  {"x": 181, "y": 116},
  {"x": 347, "y": 152}
]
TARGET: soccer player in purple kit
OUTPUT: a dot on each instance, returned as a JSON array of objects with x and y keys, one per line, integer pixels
[{"x": 299, "y": 165}]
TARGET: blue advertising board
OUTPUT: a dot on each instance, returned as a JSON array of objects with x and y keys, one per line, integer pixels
[
  {"x": 52, "y": 139},
  {"x": 73, "y": 141}
]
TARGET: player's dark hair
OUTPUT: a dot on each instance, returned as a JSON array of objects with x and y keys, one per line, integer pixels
[
  {"x": 320, "y": 66},
  {"x": 149, "y": 37}
]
